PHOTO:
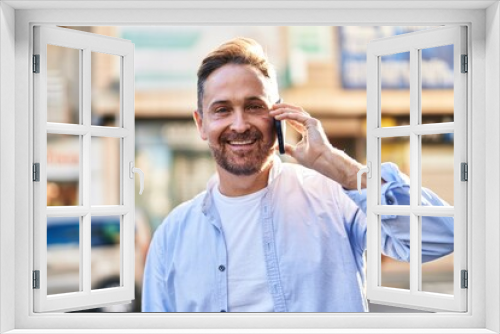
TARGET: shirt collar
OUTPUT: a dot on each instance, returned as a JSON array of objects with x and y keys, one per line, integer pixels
[{"x": 214, "y": 181}]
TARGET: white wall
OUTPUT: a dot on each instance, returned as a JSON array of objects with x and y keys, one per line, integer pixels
[
  {"x": 489, "y": 146},
  {"x": 7, "y": 159},
  {"x": 492, "y": 163}
]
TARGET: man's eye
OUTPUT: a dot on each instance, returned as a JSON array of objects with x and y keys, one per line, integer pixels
[
  {"x": 256, "y": 107},
  {"x": 221, "y": 110}
]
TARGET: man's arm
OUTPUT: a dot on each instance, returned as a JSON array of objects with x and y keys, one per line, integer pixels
[
  {"x": 437, "y": 232},
  {"x": 314, "y": 151}
]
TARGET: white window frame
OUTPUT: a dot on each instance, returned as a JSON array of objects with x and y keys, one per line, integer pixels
[
  {"x": 413, "y": 43},
  {"x": 483, "y": 20},
  {"x": 124, "y": 131}
]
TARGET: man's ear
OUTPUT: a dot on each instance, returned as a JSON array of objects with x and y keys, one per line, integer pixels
[{"x": 198, "y": 119}]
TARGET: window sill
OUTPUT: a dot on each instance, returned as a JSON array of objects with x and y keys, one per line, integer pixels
[{"x": 257, "y": 331}]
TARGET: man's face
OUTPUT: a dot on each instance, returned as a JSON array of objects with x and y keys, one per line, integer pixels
[{"x": 236, "y": 121}]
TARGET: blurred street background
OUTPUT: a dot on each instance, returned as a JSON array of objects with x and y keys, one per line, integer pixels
[{"x": 322, "y": 69}]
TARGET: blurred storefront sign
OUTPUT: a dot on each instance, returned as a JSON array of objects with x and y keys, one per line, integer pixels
[
  {"x": 168, "y": 57},
  {"x": 354, "y": 40}
]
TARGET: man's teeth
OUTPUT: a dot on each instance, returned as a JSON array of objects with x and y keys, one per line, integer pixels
[{"x": 243, "y": 142}]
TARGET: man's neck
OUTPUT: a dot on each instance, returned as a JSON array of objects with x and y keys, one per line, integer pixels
[{"x": 240, "y": 185}]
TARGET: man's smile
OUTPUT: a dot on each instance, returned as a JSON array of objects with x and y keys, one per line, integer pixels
[
  {"x": 242, "y": 145},
  {"x": 241, "y": 142}
]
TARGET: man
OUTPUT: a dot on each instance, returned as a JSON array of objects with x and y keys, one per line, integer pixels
[{"x": 270, "y": 236}]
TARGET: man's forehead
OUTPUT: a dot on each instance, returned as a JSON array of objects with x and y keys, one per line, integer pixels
[{"x": 231, "y": 81}]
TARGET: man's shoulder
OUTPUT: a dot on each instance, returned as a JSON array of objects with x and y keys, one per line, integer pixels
[
  {"x": 304, "y": 174},
  {"x": 310, "y": 183},
  {"x": 183, "y": 211},
  {"x": 181, "y": 218}
]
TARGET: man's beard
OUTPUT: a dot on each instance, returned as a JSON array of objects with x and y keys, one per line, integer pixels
[{"x": 242, "y": 163}]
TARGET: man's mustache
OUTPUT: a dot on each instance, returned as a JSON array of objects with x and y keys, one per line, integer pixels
[{"x": 247, "y": 135}]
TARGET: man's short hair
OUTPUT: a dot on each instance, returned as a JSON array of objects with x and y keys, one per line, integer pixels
[{"x": 241, "y": 51}]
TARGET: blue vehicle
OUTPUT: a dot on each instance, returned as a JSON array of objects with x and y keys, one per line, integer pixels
[{"x": 63, "y": 257}]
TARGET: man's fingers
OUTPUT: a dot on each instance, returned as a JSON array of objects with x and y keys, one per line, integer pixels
[
  {"x": 290, "y": 150},
  {"x": 286, "y": 108},
  {"x": 299, "y": 127},
  {"x": 299, "y": 119},
  {"x": 290, "y": 115}
]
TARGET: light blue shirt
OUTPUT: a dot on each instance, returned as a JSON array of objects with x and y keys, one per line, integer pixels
[{"x": 313, "y": 236}]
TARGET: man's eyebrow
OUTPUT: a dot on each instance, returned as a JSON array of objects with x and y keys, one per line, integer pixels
[
  {"x": 254, "y": 98},
  {"x": 247, "y": 99}
]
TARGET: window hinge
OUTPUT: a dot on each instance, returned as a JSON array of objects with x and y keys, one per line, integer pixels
[
  {"x": 36, "y": 279},
  {"x": 464, "y": 171},
  {"x": 36, "y": 63},
  {"x": 36, "y": 172},
  {"x": 465, "y": 64},
  {"x": 465, "y": 279}
]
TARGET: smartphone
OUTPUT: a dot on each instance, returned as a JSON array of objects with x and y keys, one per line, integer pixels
[{"x": 280, "y": 133}]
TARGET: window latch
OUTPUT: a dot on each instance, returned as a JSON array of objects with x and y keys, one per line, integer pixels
[
  {"x": 368, "y": 171},
  {"x": 133, "y": 170}
]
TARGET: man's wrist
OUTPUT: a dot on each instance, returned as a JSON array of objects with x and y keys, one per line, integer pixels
[
  {"x": 351, "y": 179},
  {"x": 338, "y": 166}
]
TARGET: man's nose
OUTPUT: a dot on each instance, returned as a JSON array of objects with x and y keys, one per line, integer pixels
[{"x": 240, "y": 122}]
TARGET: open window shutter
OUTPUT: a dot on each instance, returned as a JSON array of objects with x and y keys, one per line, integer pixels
[
  {"x": 413, "y": 43},
  {"x": 87, "y": 222}
]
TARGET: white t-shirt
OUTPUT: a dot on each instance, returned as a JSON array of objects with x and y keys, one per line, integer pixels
[{"x": 248, "y": 290}]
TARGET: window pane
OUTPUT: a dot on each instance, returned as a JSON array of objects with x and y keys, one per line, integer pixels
[
  {"x": 63, "y": 170},
  {"x": 397, "y": 151},
  {"x": 105, "y": 164},
  {"x": 63, "y": 255},
  {"x": 395, "y": 89},
  {"x": 437, "y": 273},
  {"x": 63, "y": 84},
  {"x": 106, "y": 83},
  {"x": 105, "y": 256},
  {"x": 437, "y": 84},
  {"x": 394, "y": 273},
  {"x": 437, "y": 165}
]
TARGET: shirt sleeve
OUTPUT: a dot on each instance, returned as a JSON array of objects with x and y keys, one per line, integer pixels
[
  {"x": 437, "y": 232},
  {"x": 153, "y": 286}
]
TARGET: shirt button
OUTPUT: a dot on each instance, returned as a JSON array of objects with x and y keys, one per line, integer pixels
[{"x": 222, "y": 268}]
